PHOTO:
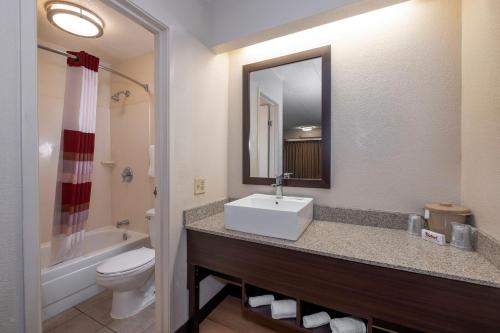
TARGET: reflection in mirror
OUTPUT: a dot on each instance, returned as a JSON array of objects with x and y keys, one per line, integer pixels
[
  {"x": 265, "y": 143},
  {"x": 285, "y": 120}
]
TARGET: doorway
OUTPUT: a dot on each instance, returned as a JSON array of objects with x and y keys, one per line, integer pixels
[
  {"x": 157, "y": 133},
  {"x": 268, "y": 140}
]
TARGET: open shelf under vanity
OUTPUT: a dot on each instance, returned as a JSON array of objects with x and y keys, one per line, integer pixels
[
  {"x": 387, "y": 300},
  {"x": 262, "y": 314}
]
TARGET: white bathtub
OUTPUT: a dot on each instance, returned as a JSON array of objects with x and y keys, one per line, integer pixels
[{"x": 69, "y": 283}]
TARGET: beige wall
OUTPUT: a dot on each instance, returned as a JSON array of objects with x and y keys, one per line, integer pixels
[
  {"x": 12, "y": 282},
  {"x": 481, "y": 112},
  {"x": 51, "y": 87},
  {"x": 199, "y": 127},
  {"x": 395, "y": 106},
  {"x": 131, "y": 121}
]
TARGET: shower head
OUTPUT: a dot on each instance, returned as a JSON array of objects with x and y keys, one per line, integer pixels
[{"x": 116, "y": 96}]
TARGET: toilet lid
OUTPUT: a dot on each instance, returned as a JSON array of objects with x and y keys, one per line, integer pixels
[{"x": 127, "y": 261}]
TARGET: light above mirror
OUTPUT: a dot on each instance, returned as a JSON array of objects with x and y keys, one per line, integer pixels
[{"x": 74, "y": 19}]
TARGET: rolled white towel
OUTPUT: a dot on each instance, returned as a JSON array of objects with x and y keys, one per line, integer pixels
[
  {"x": 347, "y": 325},
  {"x": 260, "y": 300},
  {"x": 282, "y": 309},
  {"x": 316, "y": 320}
]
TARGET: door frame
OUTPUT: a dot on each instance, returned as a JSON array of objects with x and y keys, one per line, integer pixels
[{"x": 31, "y": 313}]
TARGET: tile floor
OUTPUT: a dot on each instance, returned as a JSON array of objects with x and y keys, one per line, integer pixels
[
  {"x": 227, "y": 318},
  {"x": 92, "y": 316}
]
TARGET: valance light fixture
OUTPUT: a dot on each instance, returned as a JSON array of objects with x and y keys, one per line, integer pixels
[{"x": 74, "y": 19}]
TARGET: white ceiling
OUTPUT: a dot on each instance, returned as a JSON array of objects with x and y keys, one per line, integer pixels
[
  {"x": 298, "y": 87},
  {"x": 122, "y": 39},
  {"x": 232, "y": 24},
  {"x": 301, "y": 93},
  {"x": 301, "y": 84}
]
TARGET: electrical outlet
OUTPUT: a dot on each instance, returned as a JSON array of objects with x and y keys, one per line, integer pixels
[{"x": 199, "y": 185}]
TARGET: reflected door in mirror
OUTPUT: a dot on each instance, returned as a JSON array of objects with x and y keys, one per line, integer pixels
[{"x": 265, "y": 138}]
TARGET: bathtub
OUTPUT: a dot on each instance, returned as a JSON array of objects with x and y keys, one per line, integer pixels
[{"x": 71, "y": 282}]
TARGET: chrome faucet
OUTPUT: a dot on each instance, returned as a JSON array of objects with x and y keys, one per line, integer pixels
[
  {"x": 122, "y": 223},
  {"x": 279, "y": 187}
]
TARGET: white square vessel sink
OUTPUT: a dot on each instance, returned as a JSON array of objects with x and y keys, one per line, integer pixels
[{"x": 265, "y": 215}]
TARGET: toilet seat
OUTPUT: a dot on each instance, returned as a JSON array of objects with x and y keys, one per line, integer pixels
[{"x": 128, "y": 263}]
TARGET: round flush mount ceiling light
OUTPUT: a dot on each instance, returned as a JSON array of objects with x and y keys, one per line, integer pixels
[
  {"x": 74, "y": 19},
  {"x": 306, "y": 128}
]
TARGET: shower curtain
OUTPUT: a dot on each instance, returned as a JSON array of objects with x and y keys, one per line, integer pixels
[{"x": 76, "y": 156}]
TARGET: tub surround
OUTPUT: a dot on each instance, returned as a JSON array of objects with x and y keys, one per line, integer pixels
[
  {"x": 375, "y": 246},
  {"x": 132, "y": 132}
]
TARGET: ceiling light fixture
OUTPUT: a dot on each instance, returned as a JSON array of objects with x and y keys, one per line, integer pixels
[
  {"x": 306, "y": 128},
  {"x": 74, "y": 19}
]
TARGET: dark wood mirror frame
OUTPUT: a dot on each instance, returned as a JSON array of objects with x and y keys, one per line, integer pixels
[{"x": 324, "y": 54}]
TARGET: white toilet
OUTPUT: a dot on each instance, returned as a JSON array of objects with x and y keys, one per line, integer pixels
[{"x": 130, "y": 275}]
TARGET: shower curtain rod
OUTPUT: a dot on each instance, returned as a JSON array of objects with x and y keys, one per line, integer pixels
[{"x": 68, "y": 55}]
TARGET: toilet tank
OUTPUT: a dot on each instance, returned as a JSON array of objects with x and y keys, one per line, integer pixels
[{"x": 153, "y": 232}]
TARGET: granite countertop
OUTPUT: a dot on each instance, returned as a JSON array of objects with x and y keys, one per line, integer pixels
[{"x": 372, "y": 245}]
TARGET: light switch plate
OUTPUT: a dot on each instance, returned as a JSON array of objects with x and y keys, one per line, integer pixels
[{"x": 199, "y": 185}]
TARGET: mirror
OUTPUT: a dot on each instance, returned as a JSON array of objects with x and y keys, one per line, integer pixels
[{"x": 286, "y": 120}]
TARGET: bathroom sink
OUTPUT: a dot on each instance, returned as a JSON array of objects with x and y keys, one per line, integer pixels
[{"x": 266, "y": 215}]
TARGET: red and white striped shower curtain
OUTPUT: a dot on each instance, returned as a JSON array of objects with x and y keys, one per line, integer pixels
[{"x": 75, "y": 158}]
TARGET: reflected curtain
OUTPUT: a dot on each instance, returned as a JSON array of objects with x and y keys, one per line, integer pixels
[
  {"x": 302, "y": 158},
  {"x": 76, "y": 154}
]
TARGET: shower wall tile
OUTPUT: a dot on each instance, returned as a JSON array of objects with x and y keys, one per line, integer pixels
[
  {"x": 132, "y": 131},
  {"x": 129, "y": 146}
]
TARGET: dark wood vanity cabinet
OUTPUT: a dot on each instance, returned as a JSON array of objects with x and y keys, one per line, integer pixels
[{"x": 384, "y": 297}]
